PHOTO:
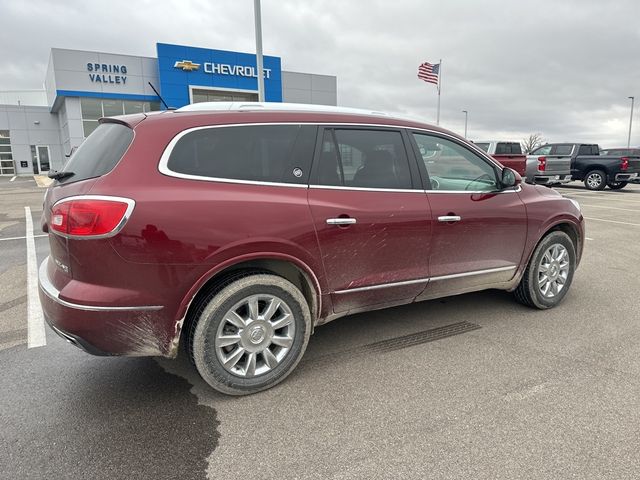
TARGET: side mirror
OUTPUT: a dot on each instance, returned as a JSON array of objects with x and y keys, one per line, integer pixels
[{"x": 510, "y": 178}]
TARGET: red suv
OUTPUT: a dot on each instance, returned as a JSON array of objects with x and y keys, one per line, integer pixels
[{"x": 241, "y": 227}]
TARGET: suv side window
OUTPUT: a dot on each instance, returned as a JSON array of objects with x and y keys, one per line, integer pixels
[
  {"x": 453, "y": 167},
  {"x": 363, "y": 158},
  {"x": 265, "y": 153}
]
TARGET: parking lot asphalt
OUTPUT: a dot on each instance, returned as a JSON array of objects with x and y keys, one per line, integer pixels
[{"x": 528, "y": 394}]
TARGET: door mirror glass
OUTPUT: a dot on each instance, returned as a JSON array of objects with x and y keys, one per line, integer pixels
[{"x": 510, "y": 178}]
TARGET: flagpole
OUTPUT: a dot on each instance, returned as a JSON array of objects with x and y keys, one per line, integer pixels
[{"x": 439, "y": 80}]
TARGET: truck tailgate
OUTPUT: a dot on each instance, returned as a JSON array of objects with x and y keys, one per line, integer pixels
[{"x": 515, "y": 162}]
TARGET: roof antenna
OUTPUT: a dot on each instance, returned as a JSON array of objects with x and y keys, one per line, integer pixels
[{"x": 161, "y": 99}]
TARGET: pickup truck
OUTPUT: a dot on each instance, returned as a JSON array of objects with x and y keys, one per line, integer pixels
[
  {"x": 564, "y": 162},
  {"x": 508, "y": 154},
  {"x": 624, "y": 152}
]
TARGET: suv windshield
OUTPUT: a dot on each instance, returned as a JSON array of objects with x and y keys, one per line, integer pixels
[{"x": 99, "y": 153}]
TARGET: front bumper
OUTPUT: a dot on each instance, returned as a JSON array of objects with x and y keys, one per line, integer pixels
[{"x": 102, "y": 330}]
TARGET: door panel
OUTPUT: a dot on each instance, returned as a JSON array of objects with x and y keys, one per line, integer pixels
[
  {"x": 478, "y": 232},
  {"x": 388, "y": 243},
  {"x": 483, "y": 247},
  {"x": 372, "y": 219}
]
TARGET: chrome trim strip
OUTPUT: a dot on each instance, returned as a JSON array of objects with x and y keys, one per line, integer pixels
[
  {"x": 54, "y": 294},
  {"x": 476, "y": 272},
  {"x": 127, "y": 214},
  {"x": 382, "y": 285},
  {"x": 367, "y": 189},
  {"x": 164, "y": 159},
  {"x": 428, "y": 279}
]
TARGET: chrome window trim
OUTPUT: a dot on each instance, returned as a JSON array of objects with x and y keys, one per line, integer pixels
[
  {"x": 428, "y": 279},
  {"x": 127, "y": 214},
  {"x": 165, "y": 170},
  {"x": 367, "y": 189},
  {"x": 54, "y": 294}
]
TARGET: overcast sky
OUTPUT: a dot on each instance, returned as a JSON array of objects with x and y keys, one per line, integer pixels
[{"x": 562, "y": 68}]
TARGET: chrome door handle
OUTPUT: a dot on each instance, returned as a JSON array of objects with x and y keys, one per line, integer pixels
[
  {"x": 450, "y": 218},
  {"x": 341, "y": 221}
]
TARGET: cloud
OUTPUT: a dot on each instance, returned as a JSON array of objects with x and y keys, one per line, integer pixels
[{"x": 564, "y": 69}]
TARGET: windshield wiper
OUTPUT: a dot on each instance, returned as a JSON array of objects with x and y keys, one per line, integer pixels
[{"x": 60, "y": 175}]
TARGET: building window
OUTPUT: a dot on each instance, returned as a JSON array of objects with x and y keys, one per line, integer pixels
[
  {"x": 199, "y": 95},
  {"x": 7, "y": 167},
  {"x": 96, "y": 108}
]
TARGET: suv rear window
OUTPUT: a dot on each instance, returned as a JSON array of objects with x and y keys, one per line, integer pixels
[
  {"x": 99, "y": 153},
  {"x": 264, "y": 153}
]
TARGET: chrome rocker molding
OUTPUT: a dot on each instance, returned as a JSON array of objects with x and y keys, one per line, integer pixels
[
  {"x": 54, "y": 294},
  {"x": 428, "y": 279}
]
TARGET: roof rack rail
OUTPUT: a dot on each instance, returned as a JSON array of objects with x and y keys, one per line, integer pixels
[{"x": 273, "y": 106}]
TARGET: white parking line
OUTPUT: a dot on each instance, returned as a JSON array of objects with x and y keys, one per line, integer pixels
[
  {"x": 36, "y": 335},
  {"x": 587, "y": 238},
  {"x": 21, "y": 238},
  {"x": 616, "y": 198},
  {"x": 13, "y": 178},
  {"x": 612, "y": 221},
  {"x": 609, "y": 208}
]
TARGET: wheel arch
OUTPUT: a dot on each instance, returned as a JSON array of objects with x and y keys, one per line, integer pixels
[{"x": 293, "y": 270}]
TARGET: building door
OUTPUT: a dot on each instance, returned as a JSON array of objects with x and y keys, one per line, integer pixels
[{"x": 41, "y": 159}]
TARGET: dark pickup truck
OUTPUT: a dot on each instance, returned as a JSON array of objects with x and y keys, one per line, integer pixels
[{"x": 554, "y": 163}]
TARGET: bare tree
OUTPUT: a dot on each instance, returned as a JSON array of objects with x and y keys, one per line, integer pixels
[{"x": 532, "y": 142}]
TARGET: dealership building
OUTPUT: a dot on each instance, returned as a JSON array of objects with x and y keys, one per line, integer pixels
[{"x": 39, "y": 129}]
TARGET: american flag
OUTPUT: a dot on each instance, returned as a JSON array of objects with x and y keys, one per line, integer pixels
[{"x": 428, "y": 72}]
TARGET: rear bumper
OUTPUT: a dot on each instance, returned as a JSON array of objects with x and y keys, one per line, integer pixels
[
  {"x": 100, "y": 330},
  {"x": 626, "y": 177},
  {"x": 551, "y": 179}
]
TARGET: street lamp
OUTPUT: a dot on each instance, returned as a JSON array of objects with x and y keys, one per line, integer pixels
[
  {"x": 466, "y": 117},
  {"x": 630, "y": 122},
  {"x": 258, "y": 20}
]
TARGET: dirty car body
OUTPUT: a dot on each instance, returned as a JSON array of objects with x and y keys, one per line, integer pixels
[{"x": 145, "y": 236}]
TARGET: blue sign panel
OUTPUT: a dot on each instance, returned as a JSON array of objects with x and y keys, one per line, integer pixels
[{"x": 180, "y": 67}]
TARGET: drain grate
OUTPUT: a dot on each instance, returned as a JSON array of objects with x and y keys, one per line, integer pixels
[{"x": 417, "y": 338}]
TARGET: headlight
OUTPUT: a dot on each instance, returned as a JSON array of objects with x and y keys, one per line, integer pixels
[{"x": 577, "y": 205}]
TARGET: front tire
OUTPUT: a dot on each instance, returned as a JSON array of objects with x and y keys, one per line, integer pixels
[
  {"x": 595, "y": 180},
  {"x": 250, "y": 335},
  {"x": 549, "y": 274},
  {"x": 617, "y": 185}
]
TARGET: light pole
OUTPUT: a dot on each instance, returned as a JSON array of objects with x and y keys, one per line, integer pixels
[
  {"x": 630, "y": 122},
  {"x": 258, "y": 19},
  {"x": 466, "y": 117}
]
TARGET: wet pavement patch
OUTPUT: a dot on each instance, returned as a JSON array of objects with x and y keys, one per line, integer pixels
[{"x": 88, "y": 417}]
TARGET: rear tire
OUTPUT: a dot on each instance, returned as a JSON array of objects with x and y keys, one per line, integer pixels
[
  {"x": 617, "y": 185},
  {"x": 595, "y": 180},
  {"x": 251, "y": 334},
  {"x": 547, "y": 278}
]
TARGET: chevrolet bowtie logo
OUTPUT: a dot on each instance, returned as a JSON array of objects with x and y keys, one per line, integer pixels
[{"x": 187, "y": 65}]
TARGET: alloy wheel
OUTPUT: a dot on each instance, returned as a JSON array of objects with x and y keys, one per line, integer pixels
[
  {"x": 553, "y": 270},
  {"x": 255, "y": 335}
]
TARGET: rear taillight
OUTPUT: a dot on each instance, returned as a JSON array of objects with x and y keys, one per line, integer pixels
[
  {"x": 90, "y": 216},
  {"x": 542, "y": 163},
  {"x": 625, "y": 163}
]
